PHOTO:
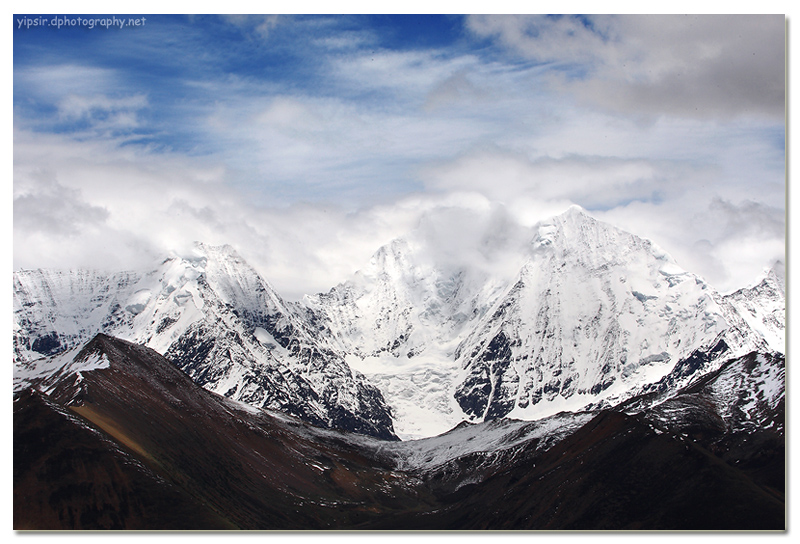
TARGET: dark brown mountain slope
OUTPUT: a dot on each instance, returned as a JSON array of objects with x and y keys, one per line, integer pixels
[
  {"x": 254, "y": 470},
  {"x": 69, "y": 476},
  {"x": 617, "y": 472},
  {"x": 132, "y": 442}
]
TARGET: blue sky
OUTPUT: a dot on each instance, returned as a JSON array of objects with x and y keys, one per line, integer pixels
[{"x": 308, "y": 141}]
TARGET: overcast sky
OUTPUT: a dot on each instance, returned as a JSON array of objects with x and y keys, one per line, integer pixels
[{"x": 306, "y": 142}]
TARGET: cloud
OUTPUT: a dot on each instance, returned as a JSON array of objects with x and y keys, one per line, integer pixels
[
  {"x": 98, "y": 204},
  {"x": 75, "y": 107},
  {"x": 457, "y": 89},
  {"x": 86, "y": 101},
  {"x": 747, "y": 218},
  {"x": 101, "y": 115},
  {"x": 590, "y": 181},
  {"x": 260, "y": 25},
  {"x": 124, "y": 207},
  {"x": 674, "y": 202},
  {"x": 549, "y": 39},
  {"x": 51, "y": 209},
  {"x": 697, "y": 66},
  {"x": 727, "y": 243},
  {"x": 311, "y": 153},
  {"x": 51, "y": 82},
  {"x": 120, "y": 207}
]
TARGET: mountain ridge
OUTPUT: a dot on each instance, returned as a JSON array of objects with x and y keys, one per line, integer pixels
[
  {"x": 215, "y": 318},
  {"x": 413, "y": 345},
  {"x": 636, "y": 312}
]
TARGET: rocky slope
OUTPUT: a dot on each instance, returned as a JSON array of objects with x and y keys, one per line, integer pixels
[
  {"x": 122, "y": 439},
  {"x": 763, "y": 306},
  {"x": 133, "y": 442}
]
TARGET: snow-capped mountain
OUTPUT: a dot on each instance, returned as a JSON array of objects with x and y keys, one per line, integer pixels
[
  {"x": 595, "y": 314},
  {"x": 215, "y": 318},
  {"x": 763, "y": 306},
  {"x": 399, "y": 321},
  {"x": 591, "y": 316},
  {"x": 570, "y": 314}
]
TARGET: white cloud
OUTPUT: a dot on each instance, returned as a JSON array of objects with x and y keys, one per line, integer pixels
[
  {"x": 94, "y": 101},
  {"x": 590, "y": 181},
  {"x": 703, "y": 66},
  {"x": 260, "y": 25},
  {"x": 74, "y": 106},
  {"x": 729, "y": 244},
  {"x": 121, "y": 208},
  {"x": 307, "y": 182},
  {"x": 51, "y": 82},
  {"x": 456, "y": 89},
  {"x": 549, "y": 39},
  {"x": 50, "y": 209}
]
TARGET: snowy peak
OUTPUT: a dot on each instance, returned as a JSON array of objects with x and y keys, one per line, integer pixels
[
  {"x": 570, "y": 314},
  {"x": 594, "y": 315},
  {"x": 58, "y": 310},
  {"x": 763, "y": 307},
  {"x": 400, "y": 318},
  {"x": 215, "y": 318},
  {"x": 236, "y": 283},
  {"x": 777, "y": 276},
  {"x": 582, "y": 314},
  {"x": 576, "y": 237}
]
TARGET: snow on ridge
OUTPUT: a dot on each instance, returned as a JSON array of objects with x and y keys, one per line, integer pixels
[
  {"x": 489, "y": 437},
  {"x": 413, "y": 324},
  {"x": 600, "y": 285}
]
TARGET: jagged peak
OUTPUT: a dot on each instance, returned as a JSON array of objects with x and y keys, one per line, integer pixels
[
  {"x": 202, "y": 252},
  {"x": 391, "y": 251},
  {"x": 577, "y": 211},
  {"x": 215, "y": 260},
  {"x": 225, "y": 250},
  {"x": 576, "y": 232},
  {"x": 575, "y": 220},
  {"x": 198, "y": 253},
  {"x": 777, "y": 274},
  {"x": 773, "y": 277},
  {"x": 94, "y": 353}
]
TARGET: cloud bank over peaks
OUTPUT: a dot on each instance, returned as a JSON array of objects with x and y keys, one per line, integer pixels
[{"x": 308, "y": 142}]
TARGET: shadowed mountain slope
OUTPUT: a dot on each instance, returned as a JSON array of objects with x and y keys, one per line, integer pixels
[
  {"x": 255, "y": 470},
  {"x": 126, "y": 440}
]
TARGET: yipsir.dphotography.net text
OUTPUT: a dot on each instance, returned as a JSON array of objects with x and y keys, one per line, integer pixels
[{"x": 59, "y": 22}]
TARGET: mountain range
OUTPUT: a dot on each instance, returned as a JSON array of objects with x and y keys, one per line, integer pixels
[
  {"x": 570, "y": 360},
  {"x": 583, "y": 315}
]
